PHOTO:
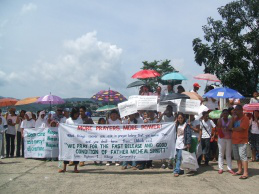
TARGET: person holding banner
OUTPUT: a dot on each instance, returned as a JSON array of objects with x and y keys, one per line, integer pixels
[
  {"x": 19, "y": 138},
  {"x": 74, "y": 119},
  {"x": 183, "y": 140},
  {"x": 41, "y": 122},
  {"x": 113, "y": 120}
]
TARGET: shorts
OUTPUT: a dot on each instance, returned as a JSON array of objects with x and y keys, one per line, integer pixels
[
  {"x": 240, "y": 151},
  {"x": 254, "y": 141},
  {"x": 75, "y": 162}
]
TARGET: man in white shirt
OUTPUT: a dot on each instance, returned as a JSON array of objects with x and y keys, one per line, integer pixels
[{"x": 196, "y": 87}]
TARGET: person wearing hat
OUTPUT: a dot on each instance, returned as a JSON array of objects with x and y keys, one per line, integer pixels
[{"x": 196, "y": 87}]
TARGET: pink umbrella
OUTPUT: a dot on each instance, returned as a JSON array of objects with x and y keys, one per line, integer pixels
[
  {"x": 146, "y": 73},
  {"x": 50, "y": 99},
  {"x": 251, "y": 107},
  {"x": 208, "y": 77}
]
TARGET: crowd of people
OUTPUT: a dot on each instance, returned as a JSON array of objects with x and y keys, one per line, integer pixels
[{"x": 217, "y": 137}]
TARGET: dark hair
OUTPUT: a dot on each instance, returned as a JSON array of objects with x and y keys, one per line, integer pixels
[
  {"x": 83, "y": 107},
  {"x": 74, "y": 111},
  {"x": 100, "y": 119},
  {"x": 230, "y": 109},
  {"x": 184, "y": 119},
  {"x": 204, "y": 113},
  {"x": 114, "y": 111},
  {"x": 180, "y": 87},
  {"x": 225, "y": 110},
  {"x": 239, "y": 107}
]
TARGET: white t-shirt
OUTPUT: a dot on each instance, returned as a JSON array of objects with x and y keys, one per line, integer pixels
[
  {"x": 63, "y": 120},
  {"x": 212, "y": 105},
  {"x": 140, "y": 120},
  {"x": 40, "y": 123},
  {"x": 11, "y": 129},
  {"x": 180, "y": 137},
  {"x": 167, "y": 119},
  {"x": 28, "y": 124},
  {"x": 209, "y": 125},
  {"x": 194, "y": 124},
  {"x": 116, "y": 122},
  {"x": 255, "y": 128},
  {"x": 70, "y": 121},
  {"x": 3, "y": 121},
  {"x": 153, "y": 121}
]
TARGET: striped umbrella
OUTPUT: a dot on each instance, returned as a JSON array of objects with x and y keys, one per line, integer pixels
[{"x": 251, "y": 107}]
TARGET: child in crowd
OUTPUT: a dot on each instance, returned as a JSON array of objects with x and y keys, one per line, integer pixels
[
  {"x": 74, "y": 119},
  {"x": 113, "y": 120},
  {"x": 183, "y": 140}
]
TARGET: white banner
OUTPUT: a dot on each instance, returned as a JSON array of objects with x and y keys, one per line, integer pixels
[
  {"x": 41, "y": 142},
  {"x": 116, "y": 142},
  {"x": 127, "y": 108}
]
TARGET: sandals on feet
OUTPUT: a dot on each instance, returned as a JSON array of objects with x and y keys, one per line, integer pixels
[
  {"x": 243, "y": 177},
  {"x": 76, "y": 171},
  {"x": 61, "y": 170}
]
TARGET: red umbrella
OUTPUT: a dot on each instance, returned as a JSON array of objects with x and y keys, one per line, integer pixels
[
  {"x": 208, "y": 77},
  {"x": 146, "y": 73},
  {"x": 251, "y": 107},
  {"x": 8, "y": 102}
]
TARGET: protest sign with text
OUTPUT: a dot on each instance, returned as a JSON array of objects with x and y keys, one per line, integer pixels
[
  {"x": 41, "y": 142},
  {"x": 127, "y": 108},
  {"x": 116, "y": 142}
]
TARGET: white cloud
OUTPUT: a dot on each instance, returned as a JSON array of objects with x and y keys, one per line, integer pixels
[
  {"x": 87, "y": 66},
  {"x": 28, "y": 7}
]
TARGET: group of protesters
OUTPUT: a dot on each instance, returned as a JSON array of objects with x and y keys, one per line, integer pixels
[{"x": 221, "y": 136}]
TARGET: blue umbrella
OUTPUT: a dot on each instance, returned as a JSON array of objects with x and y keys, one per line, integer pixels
[
  {"x": 173, "y": 76},
  {"x": 223, "y": 93}
]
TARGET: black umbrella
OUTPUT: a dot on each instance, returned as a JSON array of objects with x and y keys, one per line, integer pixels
[
  {"x": 136, "y": 83},
  {"x": 173, "y": 96}
]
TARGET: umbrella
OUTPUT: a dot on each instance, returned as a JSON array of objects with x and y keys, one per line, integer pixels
[
  {"x": 136, "y": 83},
  {"x": 106, "y": 108},
  {"x": 251, "y": 107},
  {"x": 50, "y": 99},
  {"x": 193, "y": 95},
  {"x": 173, "y": 76},
  {"x": 7, "y": 102},
  {"x": 173, "y": 96},
  {"x": 208, "y": 77},
  {"x": 27, "y": 101},
  {"x": 215, "y": 114},
  {"x": 223, "y": 93},
  {"x": 108, "y": 96},
  {"x": 146, "y": 73}
]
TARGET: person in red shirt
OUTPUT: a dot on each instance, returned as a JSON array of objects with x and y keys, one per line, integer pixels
[{"x": 239, "y": 140}]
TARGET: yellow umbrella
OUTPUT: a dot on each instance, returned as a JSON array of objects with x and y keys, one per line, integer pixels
[{"x": 27, "y": 101}]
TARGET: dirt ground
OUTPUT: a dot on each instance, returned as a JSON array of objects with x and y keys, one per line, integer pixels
[{"x": 18, "y": 175}]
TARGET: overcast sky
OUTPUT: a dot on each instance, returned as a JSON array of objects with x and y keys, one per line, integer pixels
[{"x": 76, "y": 48}]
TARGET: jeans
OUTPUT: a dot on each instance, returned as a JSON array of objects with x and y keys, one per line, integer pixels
[
  {"x": 126, "y": 163},
  {"x": 2, "y": 149},
  {"x": 225, "y": 146},
  {"x": 205, "y": 145},
  {"x": 10, "y": 143},
  {"x": 178, "y": 158},
  {"x": 19, "y": 142}
]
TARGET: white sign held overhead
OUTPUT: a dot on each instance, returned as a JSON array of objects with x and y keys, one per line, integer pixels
[
  {"x": 147, "y": 103},
  {"x": 127, "y": 108},
  {"x": 189, "y": 106}
]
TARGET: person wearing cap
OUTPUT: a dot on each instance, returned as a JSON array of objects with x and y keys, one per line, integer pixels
[
  {"x": 196, "y": 87},
  {"x": 11, "y": 132}
]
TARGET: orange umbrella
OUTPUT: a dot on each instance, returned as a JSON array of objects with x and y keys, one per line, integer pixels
[
  {"x": 27, "y": 101},
  {"x": 193, "y": 95},
  {"x": 7, "y": 102}
]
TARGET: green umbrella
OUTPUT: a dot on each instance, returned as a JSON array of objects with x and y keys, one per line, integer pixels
[
  {"x": 216, "y": 114},
  {"x": 106, "y": 108}
]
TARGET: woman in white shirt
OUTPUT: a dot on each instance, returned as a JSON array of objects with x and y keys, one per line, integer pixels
[
  {"x": 11, "y": 132},
  {"x": 74, "y": 119},
  {"x": 41, "y": 121}
]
